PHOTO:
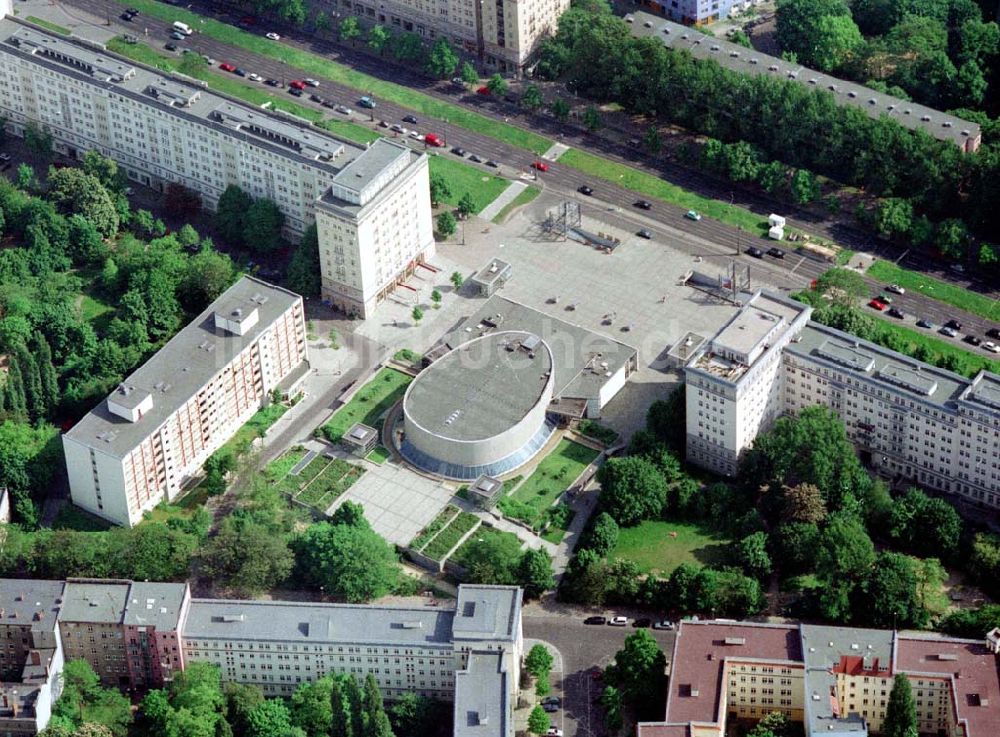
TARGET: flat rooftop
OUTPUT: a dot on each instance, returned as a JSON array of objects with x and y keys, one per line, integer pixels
[
  {"x": 481, "y": 697},
  {"x": 179, "y": 96},
  {"x": 21, "y": 600},
  {"x": 915, "y": 379},
  {"x": 583, "y": 360},
  {"x": 490, "y": 272},
  {"x": 95, "y": 602},
  {"x": 487, "y": 613},
  {"x": 940, "y": 125},
  {"x": 155, "y": 605},
  {"x": 482, "y": 388},
  {"x": 182, "y": 367},
  {"x": 307, "y": 623}
]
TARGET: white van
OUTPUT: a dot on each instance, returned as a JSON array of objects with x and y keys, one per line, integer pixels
[{"x": 182, "y": 28}]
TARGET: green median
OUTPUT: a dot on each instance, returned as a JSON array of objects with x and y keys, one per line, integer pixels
[
  {"x": 953, "y": 294},
  {"x": 49, "y": 25}
]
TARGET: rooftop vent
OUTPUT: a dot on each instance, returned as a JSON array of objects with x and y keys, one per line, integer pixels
[
  {"x": 735, "y": 641},
  {"x": 947, "y": 656},
  {"x": 412, "y": 625}
]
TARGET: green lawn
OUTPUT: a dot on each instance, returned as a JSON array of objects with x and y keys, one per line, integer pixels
[
  {"x": 952, "y": 294},
  {"x": 277, "y": 469},
  {"x": 379, "y": 455},
  {"x": 369, "y": 404},
  {"x": 437, "y": 524},
  {"x": 969, "y": 363},
  {"x": 316, "y": 65},
  {"x": 511, "y": 543},
  {"x": 71, "y": 517},
  {"x": 255, "y": 428},
  {"x": 526, "y": 196},
  {"x": 650, "y": 545},
  {"x": 92, "y": 308},
  {"x": 182, "y": 508},
  {"x": 350, "y": 131},
  {"x": 54, "y": 27},
  {"x": 560, "y": 468},
  {"x": 336, "y": 477},
  {"x": 449, "y": 536},
  {"x": 652, "y": 186},
  {"x": 464, "y": 178}
]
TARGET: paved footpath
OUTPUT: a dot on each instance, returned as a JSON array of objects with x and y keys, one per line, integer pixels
[{"x": 503, "y": 199}]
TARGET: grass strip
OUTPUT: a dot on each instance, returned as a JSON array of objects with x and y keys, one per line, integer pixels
[
  {"x": 952, "y": 294},
  {"x": 445, "y": 540},
  {"x": 464, "y": 179},
  {"x": 348, "y": 130},
  {"x": 967, "y": 363},
  {"x": 369, "y": 404},
  {"x": 437, "y": 524},
  {"x": 49, "y": 25},
  {"x": 526, "y": 196}
]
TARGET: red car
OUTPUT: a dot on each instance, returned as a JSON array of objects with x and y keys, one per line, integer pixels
[
  {"x": 484, "y": 91},
  {"x": 297, "y": 84},
  {"x": 227, "y": 67},
  {"x": 540, "y": 165},
  {"x": 877, "y": 305},
  {"x": 432, "y": 140}
]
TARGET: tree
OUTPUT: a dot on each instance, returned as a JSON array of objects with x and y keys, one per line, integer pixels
[
  {"x": 446, "y": 224},
  {"x": 497, "y": 85},
  {"x": 38, "y": 141},
  {"x": 651, "y": 140},
  {"x": 466, "y": 206},
  {"x": 925, "y": 525},
  {"x": 262, "y": 226},
  {"x": 231, "y": 212},
  {"x": 901, "y": 711},
  {"x": 303, "y": 272},
  {"x": 442, "y": 60},
  {"x": 412, "y": 715},
  {"x": 351, "y": 514},
  {"x": 538, "y": 662},
  {"x": 350, "y": 29},
  {"x": 531, "y": 98},
  {"x": 893, "y": 599},
  {"x": 774, "y": 724},
  {"x": 25, "y": 179},
  {"x": 270, "y": 718},
  {"x": 804, "y": 187},
  {"x": 752, "y": 556},
  {"x": 794, "y": 546},
  {"x": 560, "y": 110},
  {"x": 538, "y": 720},
  {"x": 894, "y": 217},
  {"x": 534, "y": 573},
  {"x": 492, "y": 559},
  {"x": 105, "y": 169},
  {"x": 207, "y": 275},
  {"x": 802, "y": 503},
  {"x": 457, "y": 280},
  {"x": 611, "y": 700},
  {"x": 408, "y": 47},
  {"x": 74, "y": 191},
  {"x": 469, "y": 74},
  {"x": 246, "y": 556},
  {"x": 821, "y": 33},
  {"x": 378, "y": 39},
  {"x": 603, "y": 535},
  {"x": 84, "y": 701},
  {"x": 181, "y": 202},
  {"x": 592, "y": 119},
  {"x": 436, "y": 299},
  {"x": 842, "y": 286},
  {"x": 440, "y": 190},
  {"x": 844, "y": 559},
  {"x": 632, "y": 489},
  {"x": 638, "y": 669},
  {"x": 349, "y": 562},
  {"x": 584, "y": 580},
  {"x": 417, "y": 315}
]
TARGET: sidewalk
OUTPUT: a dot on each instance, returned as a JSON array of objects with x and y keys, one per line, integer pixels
[{"x": 503, "y": 199}]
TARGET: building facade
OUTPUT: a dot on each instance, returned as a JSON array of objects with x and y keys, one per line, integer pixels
[
  {"x": 833, "y": 680},
  {"x": 697, "y": 12},
  {"x": 909, "y": 420},
  {"x": 152, "y": 435}
]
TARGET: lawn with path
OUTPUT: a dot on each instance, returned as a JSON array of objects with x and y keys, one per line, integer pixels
[
  {"x": 952, "y": 294},
  {"x": 464, "y": 179},
  {"x": 657, "y": 546},
  {"x": 369, "y": 404},
  {"x": 531, "y": 500},
  {"x": 523, "y": 198}
]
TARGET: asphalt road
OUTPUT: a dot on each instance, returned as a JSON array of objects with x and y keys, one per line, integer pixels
[
  {"x": 617, "y": 203},
  {"x": 583, "y": 647}
]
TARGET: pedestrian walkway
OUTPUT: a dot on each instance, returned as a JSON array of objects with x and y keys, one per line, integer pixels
[
  {"x": 503, "y": 199},
  {"x": 557, "y": 150}
]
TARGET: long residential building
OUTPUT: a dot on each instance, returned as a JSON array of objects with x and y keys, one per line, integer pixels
[
  {"x": 835, "y": 681},
  {"x": 909, "y": 420},
  {"x": 137, "y": 636},
  {"x": 148, "y": 439},
  {"x": 165, "y": 129},
  {"x": 965, "y": 134}
]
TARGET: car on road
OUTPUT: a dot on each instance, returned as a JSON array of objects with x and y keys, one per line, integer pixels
[
  {"x": 775, "y": 253},
  {"x": 254, "y": 77},
  {"x": 297, "y": 84},
  {"x": 953, "y": 324},
  {"x": 491, "y": 162},
  {"x": 171, "y": 46},
  {"x": 993, "y": 333},
  {"x": 923, "y": 322},
  {"x": 693, "y": 215},
  {"x": 992, "y": 347},
  {"x": 554, "y": 732},
  {"x": 755, "y": 252},
  {"x": 316, "y": 98},
  {"x": 273, "y": 36},
  {"x": 973, "y": 340},
  {"x": 884, "y": 299},
  {"x": 272, "y": 82},
  {"x": 644, "y": 234},
  {"x": 539, "y": 165},
  {"x": 950, "y": 332},
  {"x": 383, "y": 124},
  {"x": 618, "y": 621},
  {"x": 643, "y": 205},
  {"x": 643, "y": 622},
  {"x": 585, "y": 190},
  {"x": 596, "y": 620},
  {"x": 484, "y": 91},
  {"x": 328, "y": 103},
  {"x": 127, "y": 16},
  {"x": 343, "y": 109},
  {"x": 895, "y": 289},
  {"x": 398, "y": 128},
  {"x": 877, "y": 305},
  {"x": 555, "y": 700},
  {"x": 475, "y": 159},
  {"x": 295, "y": 92},
  {"x": 458, "y": 151},
  {"x": 550, "y": 708},
  {"x": 663, "y": 624},
  {"x": 411, "y": 119},
  {"x": 418, "y": 136},
  {"x": 209, "y": 60},
  {"x": 239, "y": 72},
  {"x": 432, "y": 139},
  {"x": 367, "y": 102},
  {"x": 227, "y": 67},
  {"x": 177, "y": 36},
  {"x": 311, "y": 82},
  {"x": 897, "y": 313}
]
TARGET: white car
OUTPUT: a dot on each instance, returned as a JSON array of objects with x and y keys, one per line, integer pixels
[
  {"x": 618, "y": 621},
  {"x": 895, "y": 289},
  {"x": 416, "y": 135},
  {"x": 992, "y": 347},
  {"x": 344, "y": 109},
  {"x": 554, "y": 732},
  {"x": 209, "y": 60},
  {"x": 273, "y": 36},
  {"x": 399, "y": 129},
  {"x": 254, "y": 77},
  {"x": 311, "y": 82}
]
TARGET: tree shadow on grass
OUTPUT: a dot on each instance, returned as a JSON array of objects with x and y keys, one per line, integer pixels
[{"x": 711, "y": 555}]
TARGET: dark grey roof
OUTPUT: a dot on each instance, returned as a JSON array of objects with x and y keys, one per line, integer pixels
[
  {"x": 157, "y": 605},
  {"x": 22, "y": 599},
  {"x": 940, "y": 125},
  {"x": 94, "y": 601},
  {"x": 317, "y": 623},
  {"x": 481, "y": 388},
  {"x": 482, "y": 706},
  {"x": 182, "y": 367},
  {"x": 487, "y": 613},
  {"x": 579, "y": 355}
]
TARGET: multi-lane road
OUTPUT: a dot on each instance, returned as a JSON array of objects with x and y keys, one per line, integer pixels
[{"x": 611, "y": 203}]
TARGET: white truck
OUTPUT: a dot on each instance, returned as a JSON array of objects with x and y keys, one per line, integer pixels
[{"x": 776, "y": 231}]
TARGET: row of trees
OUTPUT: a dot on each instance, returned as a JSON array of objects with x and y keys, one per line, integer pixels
[
  {"x": 787, "y": 121},
  {"x": 440, "y": 61}
]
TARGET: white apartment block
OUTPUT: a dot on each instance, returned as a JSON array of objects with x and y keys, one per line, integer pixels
[
  {"x": 374, "y": 226},
  {"x": 909, "y": 420},
  {"x": 502, "y": 34},
  {"x": 167, "y": 128},
  {"x": 152, "y": 435}
]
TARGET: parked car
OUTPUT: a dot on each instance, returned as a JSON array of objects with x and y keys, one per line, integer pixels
[
  {"x": 132, "y": 11},
  {"x": 272, "y": 82},
  {"x": 585, "y": 190},
  {"x": 458, "y": 151},
  {"x": 552, "y": 700},
  {"x": 411, "y": 119},
  {"x": 550, "y": 708},
  {"x": 775, "y": 253},
  {"x": 643, "y": 205},
  {"x": 618, "y": 621},
  {"x": 295, "y": 92},
  {"x": 297, "y": 84},
  {"x": 171, "y": 46},
  {"x": 398, "y": 128},
  {"x": 343, "y": 109},
  {"x": 328, "y": 103},
  {"x": 954, "y": 324},
  {"x": 484, "y": 91},
  {"x": 973, "y": 340},
  {"x": 273, "y": 36},
  {"x": 177, "y": 36},
  {"x": 642, "y": 622},
  {"x": 254, "y": 77},
  {"x": 554, "y": 732},
  {"x": 663, "y": 624},
  {"x": 950, "y": 332},
  {"x": 958, "y": 269},
  {"x": 316, "y": 98},
  {"x": 877, "y": 305},
  {"x": 993, "y": 333},
  {"x": 126, "y": 16},
  {"x": 4, "y": 158},
  {"x": 897, "y": 313},
  {"x": 596, "y": 620},
  {"x": 311, "y": 82},
  {"x": 432, "y": 139},
  {"x": 491, "y": 162},
  {"x": 239, "y": 72},
  {"x": 884, "y": 299},
  {"x": 755, "y": 252},
  {"x": 693, "y": 215},
  {"x": 539, "y": 165},
  {"x": 925, "y": 323},
  {"x": 644, "y": 234},
  {"x": 417, "y": 136},
  {"x": 992, "y": 347},
  {"x": 209, "y": 60},
  {"x": 227, "y": 67},
  {"x": 895, "y": 289},
  {"x": 383, "y": 124}
]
